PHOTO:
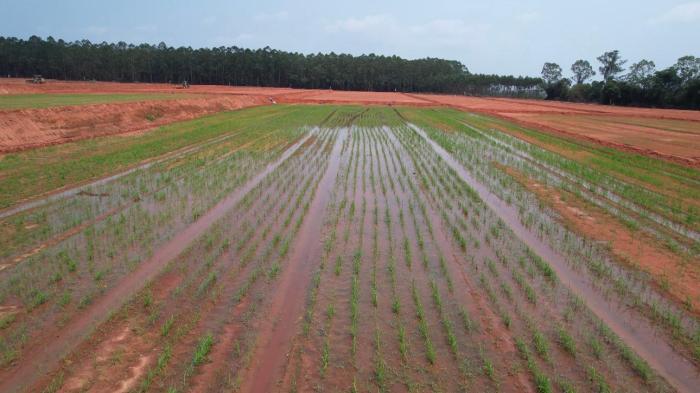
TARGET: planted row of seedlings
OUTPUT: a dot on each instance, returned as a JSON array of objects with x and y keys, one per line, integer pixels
[
  {"x": 478, "y": 360},
  {"x": 658, "y": 215},
  {"x": 322, "y": 306},
  {"x": 551, "y": 168},
  {"x": 250, "y": 244},
  {"x": 474, "y": 348},
  {"x": 480, "y": 149},
  {"x": 396, "y": 329},
  {"x": 50, "y": 287},
  {"x": 627, "y": 179},
  {"x": 631, "y": 287},
  {"x": 419, "y": 268},
  {"x": 299, "y": 282},
  {"x": 339, "y": 296},
  {"x": 78, "y": 206},
  {"x": 533, "y": 307},
  {"x": 153, "y": 183},
  {"x": 233, "y": 334}
]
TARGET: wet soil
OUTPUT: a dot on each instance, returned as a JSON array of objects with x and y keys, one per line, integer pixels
[
  {"x": 637, "y": 332},
  {"x": 258, "y": 340},
  {"x": 63, "y": 339},
  {"x": 633, "y": 248},
  {"x": 283, "y": 315}
]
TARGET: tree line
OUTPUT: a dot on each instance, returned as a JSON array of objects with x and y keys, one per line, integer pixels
[
  {"x": 677, "y": 86},
  {"x": 122, "y": 62}
]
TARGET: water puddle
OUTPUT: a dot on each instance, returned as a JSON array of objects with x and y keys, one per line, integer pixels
[
  {"x": 636, "y": 331},
  {"x": 70, "y": 335},
  {"x": 288, "y": 304}
]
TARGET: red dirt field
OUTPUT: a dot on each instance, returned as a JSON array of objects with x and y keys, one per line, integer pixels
[
  {"x": 665, "y": 133},
  {"x": 513, "y": 105},
  {"x": 668, "y": 134},
  {"x": 31, "y": 128},
  {"x": 20, "y": 86},
  {"x": 650, "y": 136}
]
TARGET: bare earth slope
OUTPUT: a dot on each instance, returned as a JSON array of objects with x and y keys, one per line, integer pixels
[
  {"x": 672, "y": 135},
  {"x": 30, "y": 128}
]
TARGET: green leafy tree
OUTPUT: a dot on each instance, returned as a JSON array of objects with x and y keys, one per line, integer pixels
[
  {"x": 688, "y": 68},
  {"x": 551, "y": 73},
  {"x": 610, "y": 65},
  {"x": 677, "y": 86},
  {"x": 641, "y": 72},
  {"x": 582, "y": 70},
  {"x": 611, "y": 93}
]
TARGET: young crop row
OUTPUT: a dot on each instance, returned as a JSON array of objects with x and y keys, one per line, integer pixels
[
  {"x": 151, "y": 181},
  {"x": 252, "y": 257},
  {"x": 68, "y": 276},
  {"x": 233, "y": 343},
  {"x": 480, "y": 237},
  {"x": 410, "y": 332},
  {"x": 630, "y": 286},
  {"x": 638, "y": 207}
]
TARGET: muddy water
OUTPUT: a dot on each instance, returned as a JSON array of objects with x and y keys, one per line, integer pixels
[
  {"x": 287, "y": 307},
  {"x": 492, "y": 339},
  {"x": 46, "y": 357},
  {"x": 636, "y": 331}
]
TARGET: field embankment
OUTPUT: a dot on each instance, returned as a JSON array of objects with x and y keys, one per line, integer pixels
[{"x": 22, "y": 129}]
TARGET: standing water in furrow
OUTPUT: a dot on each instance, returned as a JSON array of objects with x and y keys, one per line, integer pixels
[{"x": 633, "y": 328}]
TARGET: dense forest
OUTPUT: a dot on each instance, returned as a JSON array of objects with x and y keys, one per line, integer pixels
[
  {"x": 83, "y": 60},
  {"x": 641, "y": 85},
  {"x": 675, "y": 87}
]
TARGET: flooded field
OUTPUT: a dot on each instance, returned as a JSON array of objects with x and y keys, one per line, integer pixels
[{"x": 352, "y": 248}]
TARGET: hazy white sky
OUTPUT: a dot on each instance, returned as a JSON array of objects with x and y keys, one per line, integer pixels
[{"x": 504, "y": 37}]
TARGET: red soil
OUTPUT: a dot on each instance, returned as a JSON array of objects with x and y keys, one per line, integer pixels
[
  {"x": 20, "y": 86},
  {"x": 632, "y": 248},
  {"x": 513, "y": 105},
  {"x": 669, "y": 134},
  {"x": 676, "y": 145},
  {"x": 673, "y": 135},
  {"x": 31, "y": 128}
]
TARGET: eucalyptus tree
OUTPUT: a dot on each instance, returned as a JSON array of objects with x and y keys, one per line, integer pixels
[
  {"x": 611, "y": 65},
  {"x": 582, "y": 70}
]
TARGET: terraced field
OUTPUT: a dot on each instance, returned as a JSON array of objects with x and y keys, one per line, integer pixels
[{"x": 347, "y": 248}]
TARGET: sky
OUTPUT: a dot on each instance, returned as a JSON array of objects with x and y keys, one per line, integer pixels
[{"x": 488, "y": 36}]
